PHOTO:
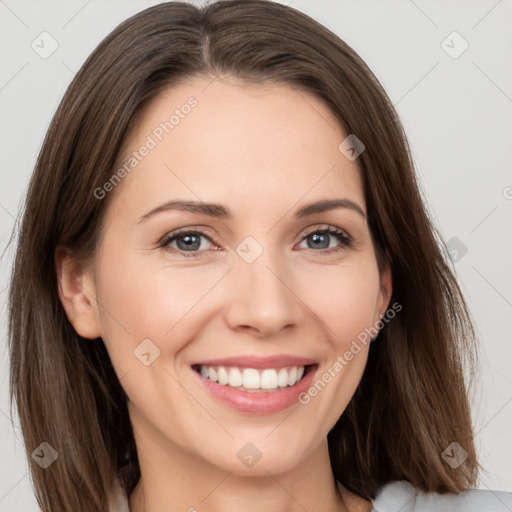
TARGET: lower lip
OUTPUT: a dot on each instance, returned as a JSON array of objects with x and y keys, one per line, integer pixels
[{"x": 259, "y": 402}]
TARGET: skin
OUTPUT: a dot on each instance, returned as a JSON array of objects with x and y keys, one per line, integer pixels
[{"x": 262, "y": 151}]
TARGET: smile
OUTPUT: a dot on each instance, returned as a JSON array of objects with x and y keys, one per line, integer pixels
[
  {"x": 254, "y": 384},
  {"x": 252, "y": 379}
]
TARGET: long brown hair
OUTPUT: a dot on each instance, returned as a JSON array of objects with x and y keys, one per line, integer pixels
[{"x": 412, "y": 401}]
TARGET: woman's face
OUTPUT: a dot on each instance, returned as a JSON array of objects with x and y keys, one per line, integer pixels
[{"x": 252, "y": 291}]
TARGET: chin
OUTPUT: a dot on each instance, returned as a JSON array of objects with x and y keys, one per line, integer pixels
[{"x": 274, "y": 455}]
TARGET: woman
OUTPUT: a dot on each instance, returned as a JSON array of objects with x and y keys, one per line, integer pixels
[{"x": 236, "y": 297}]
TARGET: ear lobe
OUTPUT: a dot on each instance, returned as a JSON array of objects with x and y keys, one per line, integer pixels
[
  {"x": 77, "y": 294},
  {"x": 386, "y": 290}
]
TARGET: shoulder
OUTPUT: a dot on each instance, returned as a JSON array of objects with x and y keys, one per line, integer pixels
[{"x": 406, "y": 498}]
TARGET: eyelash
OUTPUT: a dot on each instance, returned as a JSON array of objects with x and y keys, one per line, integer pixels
[{"x": 344, "y": 238}]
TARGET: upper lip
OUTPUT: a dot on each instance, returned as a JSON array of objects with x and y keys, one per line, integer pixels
[{"x": 275, "y": 361}]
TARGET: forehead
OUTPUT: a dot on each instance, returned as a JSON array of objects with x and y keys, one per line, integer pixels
[{"x": 223, "y": 141}]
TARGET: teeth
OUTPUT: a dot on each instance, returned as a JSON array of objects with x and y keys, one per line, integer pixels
[
  {"x": 268, "y": 379},
  {"x": 251, "y": 379},
  {"x": 222, "y": 376},
  {"x": 212, "y": 374},
  {"x": 292, "y": 376},
  {"x": 282, "y": 378},
  {"x": 235, "y": 378}
]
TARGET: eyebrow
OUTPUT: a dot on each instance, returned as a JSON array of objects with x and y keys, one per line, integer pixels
[{"x": 221, "y": 212}]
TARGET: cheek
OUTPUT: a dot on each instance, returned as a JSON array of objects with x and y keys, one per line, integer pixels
[
  {"x": 141, "y": 300},
  {"x": 346, "y": 298}
]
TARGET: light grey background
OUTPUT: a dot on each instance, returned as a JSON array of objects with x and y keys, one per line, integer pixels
[{"x": 457, "y": 113}]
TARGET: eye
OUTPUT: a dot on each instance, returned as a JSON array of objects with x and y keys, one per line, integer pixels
[
  {"x": 190, "y": 243},
  {"x": 326, "y": 239},
  {"x": 186, "y": 241}
]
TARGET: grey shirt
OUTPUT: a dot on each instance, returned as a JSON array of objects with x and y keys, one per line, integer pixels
[{"x": 403, "y": 497}]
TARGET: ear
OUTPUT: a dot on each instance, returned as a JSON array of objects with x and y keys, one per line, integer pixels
[
  {"x": 77, "y": 293},
  {"x": 386, "y": 290}
]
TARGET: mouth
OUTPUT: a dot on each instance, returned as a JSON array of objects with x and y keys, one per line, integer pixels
[
  {"x": 253, "y": 380},
  {"x": 256, "y": 385}
]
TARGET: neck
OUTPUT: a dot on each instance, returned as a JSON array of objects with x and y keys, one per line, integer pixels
[{"x": 174, "y": 476}]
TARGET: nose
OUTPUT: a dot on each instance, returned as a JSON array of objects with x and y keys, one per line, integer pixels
[{"x": 261, "y": 299}]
